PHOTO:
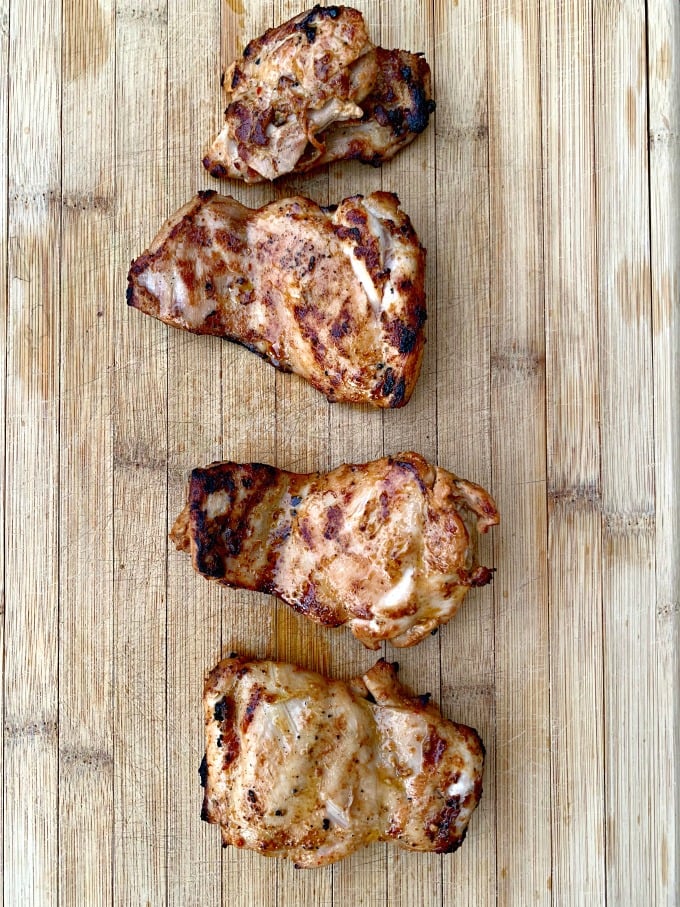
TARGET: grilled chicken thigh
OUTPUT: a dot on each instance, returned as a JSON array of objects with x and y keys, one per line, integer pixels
[
  {"x": 312, "y": 769},
  {"x": 316, "y": 90},
  {"x": 386, "y": 547},
  {"x": 336, "y": 296}
]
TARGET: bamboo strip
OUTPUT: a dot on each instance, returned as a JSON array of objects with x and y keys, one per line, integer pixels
[
  {"x": 31, "y": 715},
  {"x": 85, "y": 486},
  {"x": 463, "y": 389},
  {"x": 628, "y": 497},
  {"x": 574, "y": 540},
  {"x": 663, "y": 68},
  {"x": 139, "y": 424},
  {"x": 4, "y": 315},
  {"x": 517, "y": 353},
  {"x": 627, "y": 444}
]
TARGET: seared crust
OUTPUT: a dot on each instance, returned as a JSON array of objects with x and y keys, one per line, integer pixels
[
  {"x": 314, "y": 90},
  {"x": 312, "y": 769},
  {"x": 336, "y": 296},
  {"x": 397, "y": 109},
  {"x": 387, "y": 547}
]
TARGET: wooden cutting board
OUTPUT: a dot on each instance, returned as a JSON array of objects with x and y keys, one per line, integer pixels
[{"x": 547, "y": 192}]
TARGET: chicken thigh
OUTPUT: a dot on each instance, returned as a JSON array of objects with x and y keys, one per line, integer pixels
[
  {"x": 312, "y": 769},
  {"x": 336, "y": 296},
  {"x": 387, "y": 547},
  {"x": 315, "y": 90}
]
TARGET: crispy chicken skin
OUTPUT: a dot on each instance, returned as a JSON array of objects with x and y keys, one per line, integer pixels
[
  {"x": 386, "y": 547},
  {"x": 336, "y": 296},
  {"x": 312, "y": 769},
  {"x": 315, "y": 90}
]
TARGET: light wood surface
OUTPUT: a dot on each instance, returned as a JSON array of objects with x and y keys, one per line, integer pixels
[{"x": 547, "y": 192}]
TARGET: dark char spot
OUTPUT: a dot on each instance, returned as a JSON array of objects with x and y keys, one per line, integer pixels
[
  {"x": 219, "y": 171},
  {"x": 388, "y": 382},
  {"x": 399, "y": 393},
  {"x": 221, "y": 709},
  {"x": 203, "y": 770}
]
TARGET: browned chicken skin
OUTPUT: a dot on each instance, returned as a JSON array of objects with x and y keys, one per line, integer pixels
[
  {"x": 336, "y": 296},
  {"x": 386, "y": 547},
  {"x": 315, "y": 90},
  {"x": 312, "y": 769}
]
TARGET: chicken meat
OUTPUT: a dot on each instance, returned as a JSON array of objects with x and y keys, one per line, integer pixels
[
  {"x": 316, "y": 90},
  {"x": 312, "y": 769},
  {"x": 334, "y": 294},
  {"x": 387, "y": 547}
]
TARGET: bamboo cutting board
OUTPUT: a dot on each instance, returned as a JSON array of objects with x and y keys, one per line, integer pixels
[{"x": 547, "y": 192}]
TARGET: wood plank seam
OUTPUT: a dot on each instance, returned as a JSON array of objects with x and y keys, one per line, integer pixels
[
  {"x": 4, "y": 228},
  {"x": 549, "y": 602},
  {"x": 167, "y": 480},
  {"x": 59, "y": 464},
  {"x": 596, "y": 241},
  {"x": 663, "y": 94},
  {"x": 114, "y": 627},
  {"x": 494, "y": 543},
  {"x": 114, "y": 622}
]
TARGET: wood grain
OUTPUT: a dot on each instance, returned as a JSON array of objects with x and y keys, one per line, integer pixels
[
  {"x": 518, "y": 456},
  {"x": 626, "y": 430},
  {"x": 140, "y": 467},
  {"x": 547, "y": 192},
  {"x": 4, "y": 313},
  {"x": 663, "y": 68},
  {"x": 573, "y": 426},
  {"x": 86, "y": 739},
  {"x": 462, "y": 285},
  {"x": 31, "y": 620},
  {"x": 194, "y": 438}
]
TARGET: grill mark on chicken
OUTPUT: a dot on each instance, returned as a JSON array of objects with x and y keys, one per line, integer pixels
[
  {"x": 314, "y": 90},
  {"x": 337, "y": 297},
  {"x": 324, "y": 768},
  {"x": 387, "y": 547}
]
